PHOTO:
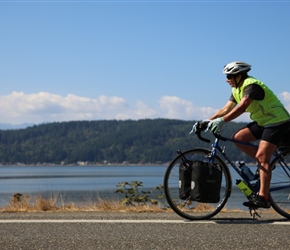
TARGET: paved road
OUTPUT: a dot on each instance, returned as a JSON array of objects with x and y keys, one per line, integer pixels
[{"x": 99, "y": 230}]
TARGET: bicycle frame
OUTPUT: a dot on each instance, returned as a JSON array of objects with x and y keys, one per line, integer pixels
[
  {"x": 216, "y": 147},
  {"x": 180, "y": 182}
]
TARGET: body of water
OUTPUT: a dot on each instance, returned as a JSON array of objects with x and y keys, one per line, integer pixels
[{"x": 84, "y": 183}]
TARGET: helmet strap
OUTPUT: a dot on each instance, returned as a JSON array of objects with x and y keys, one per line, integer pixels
[{"x": 238, "y": 83}]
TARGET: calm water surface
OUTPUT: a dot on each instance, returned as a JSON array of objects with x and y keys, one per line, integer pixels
[
  {"x": 74, "y": 183},
  {"x": 83, "y": 183}
]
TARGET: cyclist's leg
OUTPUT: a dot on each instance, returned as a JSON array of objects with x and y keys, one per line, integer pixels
[
  {"x": 246, "y": 135},
  {"x": 263, "y": 156},
  {"x": 269, "y": 141}
]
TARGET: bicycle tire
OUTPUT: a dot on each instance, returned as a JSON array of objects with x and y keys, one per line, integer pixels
[
  {"x": 186, "y": 208},
  {"x": 280, "y": 183}
]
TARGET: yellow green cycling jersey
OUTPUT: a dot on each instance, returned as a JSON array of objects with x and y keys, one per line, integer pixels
[{"x": 269, "y": 111}]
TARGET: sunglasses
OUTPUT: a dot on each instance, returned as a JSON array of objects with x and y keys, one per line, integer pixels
[{"x": 230, "y": 77}]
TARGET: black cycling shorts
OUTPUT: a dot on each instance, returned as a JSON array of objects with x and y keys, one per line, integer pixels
[{"x": 273, "y": 134}]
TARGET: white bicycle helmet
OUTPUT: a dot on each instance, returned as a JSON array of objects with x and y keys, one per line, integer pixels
[{"x": 236, "y": 67}]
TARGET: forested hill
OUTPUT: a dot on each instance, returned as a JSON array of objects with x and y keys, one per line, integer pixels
[{"x": 142, "y": 141}]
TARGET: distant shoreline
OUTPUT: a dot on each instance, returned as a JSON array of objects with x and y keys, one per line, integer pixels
[{"x": 86, "y": 165}]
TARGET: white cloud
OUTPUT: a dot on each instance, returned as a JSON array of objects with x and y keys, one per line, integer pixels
[
  {"x": 19, "y": 107},
  {"x": 285, "y": 97},
  {"x": 175, "y": 107},
  {"x": 140, "y": 111}
]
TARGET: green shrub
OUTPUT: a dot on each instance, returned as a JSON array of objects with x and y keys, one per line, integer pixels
[{"x": 133, "y": 195}]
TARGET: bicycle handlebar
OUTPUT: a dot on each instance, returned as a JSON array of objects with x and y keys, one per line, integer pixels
[
  {"x": 202, "y": 126},
  {"x": 199, "y": 127}
]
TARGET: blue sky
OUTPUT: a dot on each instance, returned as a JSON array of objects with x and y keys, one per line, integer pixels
[{"x": 92, "y": 60}]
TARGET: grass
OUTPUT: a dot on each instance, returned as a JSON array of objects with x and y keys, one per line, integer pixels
[
  {"x": 56, "y": 203},
  {"x": 21, "y": 203}
]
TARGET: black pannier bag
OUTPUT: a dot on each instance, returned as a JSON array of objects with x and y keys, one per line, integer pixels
[
  {"x": 201, "y": 181},
  {"x": 206, "y": 179},
  {"x": 184, "y": 180}
]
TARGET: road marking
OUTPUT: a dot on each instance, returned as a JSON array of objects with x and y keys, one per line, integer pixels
[
  {"x": 281, "y": 223},
  {"x": 139, "y": 221},
  {"x": 104, "y": 221}
]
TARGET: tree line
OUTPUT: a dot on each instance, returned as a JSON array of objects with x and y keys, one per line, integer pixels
[{"x": 105, "y": 141}]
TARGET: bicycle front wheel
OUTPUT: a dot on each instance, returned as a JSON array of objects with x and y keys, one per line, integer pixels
[
  {"x": 280, "y": 184},
  {"x": 185, "y": 206}
]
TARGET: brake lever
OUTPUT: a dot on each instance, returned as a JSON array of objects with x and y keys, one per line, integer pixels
[{"x": 198, "y": 127}]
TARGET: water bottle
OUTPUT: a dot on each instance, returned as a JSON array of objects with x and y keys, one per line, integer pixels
[
  {"x": 245, "y": 189},
  {"x": 246, "y": 171}
]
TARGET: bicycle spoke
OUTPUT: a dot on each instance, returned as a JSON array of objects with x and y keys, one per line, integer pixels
[
  {"x": 280, "y": 184},
  {"x": 185, "y": 206}
]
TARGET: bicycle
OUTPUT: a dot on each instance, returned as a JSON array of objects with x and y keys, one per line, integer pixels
[{"x": 190, "y": 209}]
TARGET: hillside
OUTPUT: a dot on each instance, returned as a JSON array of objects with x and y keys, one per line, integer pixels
[{"x": 142, "y": 141}]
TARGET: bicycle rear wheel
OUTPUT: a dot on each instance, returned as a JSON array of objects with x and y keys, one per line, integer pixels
[
  {"x": 185, "y": 207},
  {"x": 280, "y": 184}
]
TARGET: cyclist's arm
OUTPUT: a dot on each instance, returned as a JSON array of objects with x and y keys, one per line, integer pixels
[
  {"x": 229, "y": 112},
  {"x": 225, "y": 110},
  {"x": 240, "y": 109}
]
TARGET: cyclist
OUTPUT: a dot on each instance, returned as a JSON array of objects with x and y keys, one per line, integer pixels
[{"x": 270, "y": 120}]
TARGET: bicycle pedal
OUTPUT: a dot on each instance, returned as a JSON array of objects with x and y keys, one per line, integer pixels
[{"x": 254, "y": 212}]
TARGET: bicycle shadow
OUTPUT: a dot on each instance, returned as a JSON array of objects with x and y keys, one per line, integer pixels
[
  {"x": 249, "y": 221},
  {"x": 239, "y": 220}
]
